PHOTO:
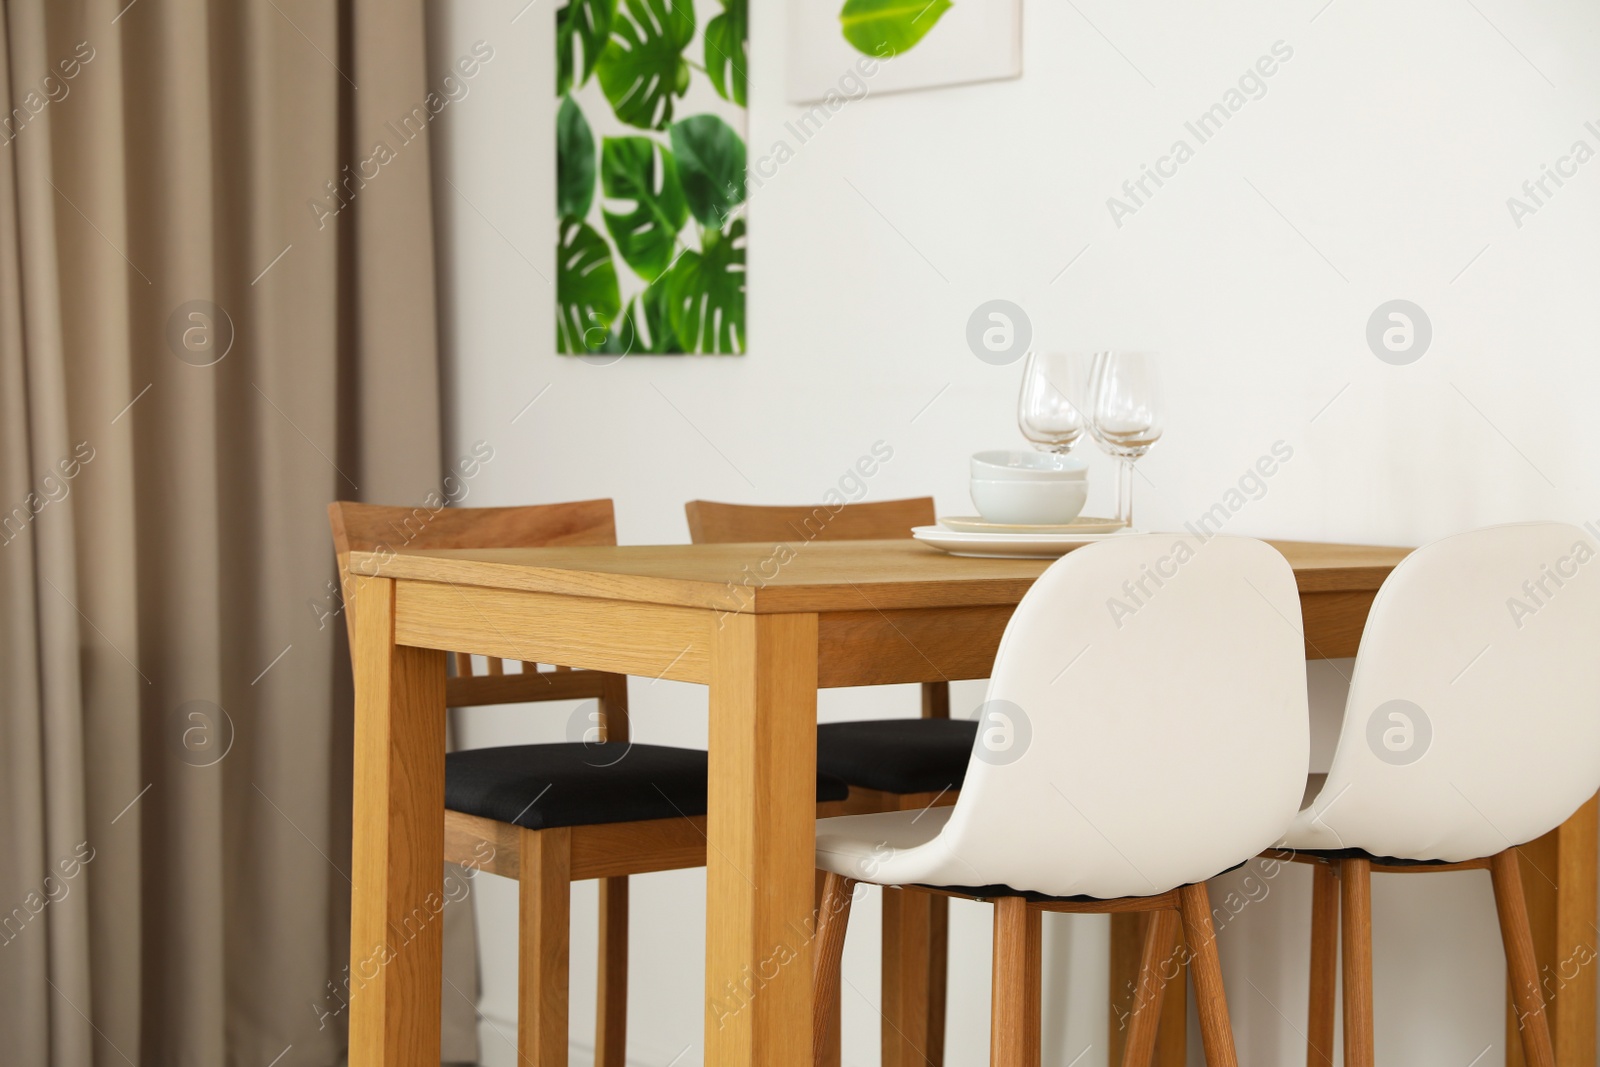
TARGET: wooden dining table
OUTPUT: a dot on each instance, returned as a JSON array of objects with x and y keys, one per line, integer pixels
[{"x": 764, "y": 627}]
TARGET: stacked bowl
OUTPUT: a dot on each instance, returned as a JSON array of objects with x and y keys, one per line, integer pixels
[{"x": 1029, "y": 488}]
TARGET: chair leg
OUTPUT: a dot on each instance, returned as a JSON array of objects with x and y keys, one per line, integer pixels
[
  {"x": 1144, "y": 1023},
  {"x": 1537, "y": 1050},
  {"x": 938, "y": 975},
  {"x": 1014, "y": 1028},
  {"x": 915, "y": 929},
  {"x": 1324, "y": 964},
  {"x": 611, "y": 998},
  {"x": 827, "y": 1047},
  {"x": 1205, "y": 971},
  {"x": 833, "y": 918},
  {"x": 1355, "y": 896},
  {"x": 545, "y": 906}
]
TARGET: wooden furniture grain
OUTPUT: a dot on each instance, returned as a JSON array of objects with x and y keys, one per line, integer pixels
[
  {"x": 1355, "y": 921},
  {"x": 545, "y": 855},
  {"x": 915, "y": 925},
  {"x": 661, "y": 611},
  {"x": 1559, "y": 885},
  {"x": 545, "y": 861},
  {"x": 1324, "y": 966},
  {"x": 1347, "y": 925},
  {"x": 1016, "y": 1010},
  {"x": 713, "y": 523}
]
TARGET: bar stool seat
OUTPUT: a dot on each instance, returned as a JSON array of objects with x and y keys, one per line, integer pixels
[{"x": 582, "y": 784}]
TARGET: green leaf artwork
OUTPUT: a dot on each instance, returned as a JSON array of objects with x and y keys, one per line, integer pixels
[
  {"x": 586, "y": 22},
  {"x": 650, "y": 256},
  {"x": 643, "y": 68},
  {"x": 889, "y": 27},
  {"x": 710, "y": 157},
  {"x": 574, "y": 161},
  {"x": 646, "y": 235},
  {"x": 705, "y": 293},
  {"x": 728, "y": 51},
  {"x": 587, "y": 298},
  {"x": 645, "y": 329}
]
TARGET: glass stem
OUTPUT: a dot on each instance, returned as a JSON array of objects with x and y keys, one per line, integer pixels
[{"x": 1125, "y": 493}]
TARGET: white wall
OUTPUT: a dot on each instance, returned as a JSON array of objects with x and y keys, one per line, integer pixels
[{"x": 1391, "y": 142}]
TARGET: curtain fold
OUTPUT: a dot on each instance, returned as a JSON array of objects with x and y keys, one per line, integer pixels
[{"x": 215, "y": 317}]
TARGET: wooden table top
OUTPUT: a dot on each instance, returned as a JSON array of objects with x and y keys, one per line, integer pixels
[{"x": 804, "y": 577}]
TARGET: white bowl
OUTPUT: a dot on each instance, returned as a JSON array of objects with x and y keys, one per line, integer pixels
[
  {"x": 1028, "y": 466},
  {"x": 1034, "y": 502}
]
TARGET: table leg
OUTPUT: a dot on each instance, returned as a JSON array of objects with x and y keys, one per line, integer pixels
[
  {"x": 1559, "y": 881},
  {"x": 761, "y": 829},
  {"x": 397, "y": 861}
]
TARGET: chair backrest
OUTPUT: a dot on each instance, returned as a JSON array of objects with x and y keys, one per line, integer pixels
[
  {"x": 712, "y": 523},
  {"x": 1473, "y": 720},
  {"x": 1145, "y": 725},
  {"x": 376, "y": 527}
]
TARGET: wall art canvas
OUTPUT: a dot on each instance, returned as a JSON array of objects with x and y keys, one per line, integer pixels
[
  {"x": 650, "y": 176},
  {"x": 894, "y": 45}
]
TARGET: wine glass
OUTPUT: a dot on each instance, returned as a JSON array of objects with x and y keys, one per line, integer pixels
[
  {"x": 1126, "y": 412},
  {"x": 1046, "y": 412}
]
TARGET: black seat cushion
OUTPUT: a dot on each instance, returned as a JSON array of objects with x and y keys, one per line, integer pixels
[
  {"x": 995, "y": 892},
  {"x": 1333, "y": 855},
  {"x": 897, "y": 755},
  {"x": 578, "y": 784}
]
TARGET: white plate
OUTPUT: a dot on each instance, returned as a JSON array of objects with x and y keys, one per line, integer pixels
[
  {"x": 1080, "y": 525},
  {"x": 1003, "y": 546}
]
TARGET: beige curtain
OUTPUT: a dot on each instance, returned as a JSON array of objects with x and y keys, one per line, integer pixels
[{"x": 209, "y": 328}]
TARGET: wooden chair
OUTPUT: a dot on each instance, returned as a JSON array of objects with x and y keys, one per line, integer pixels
[
  {"x": 1178, "y": 751},
  {"x": 889, "y": 764},
  {"x": 1429, "y": 775},
  {"x": 549, "y": 815}
]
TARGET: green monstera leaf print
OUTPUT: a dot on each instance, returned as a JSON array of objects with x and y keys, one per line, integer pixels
[
  {"x": 645, "y": 329},
  {"x": 705, "y": 294},
  {"x": 643, "y": 68},
  {"x": 651, "y": 246},
  {"x": 641, "y": 171},
  {"x": 585, "y": 22},
  {"x": 710, "y": 158},
  {"x": 889, "y": 27},
  {"x": 574, "y": 161},
  {"x": 587, "y": 298},
  {"x": 728, "y": 51}
]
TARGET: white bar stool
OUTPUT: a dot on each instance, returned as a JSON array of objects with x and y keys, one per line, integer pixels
[
  {"x": 1145, "y": 728},
  {"x": 1472, "y": 727}
]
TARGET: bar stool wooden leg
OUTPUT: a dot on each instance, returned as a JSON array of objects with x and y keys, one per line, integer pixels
[
  {"x": 1355, "y": 895},
  {"x": 1014, "y": 1029},
  {"x": 1205, "y": 971},
  {"x": 1128, "y": 930},
  {"x": 833, "y": 918},
  {"x": 827, "y": 1047},
  {"x": 1537, "y": 1050},
  {"x": 1157, "y": 959},
  {"x": 914, "y": 937},
  {"x": 545, "y": 907},
  {"x": 611, "y": 1000},
  {"x": 938, "y": 975},
  {"x": 1324, "y": 964}
]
